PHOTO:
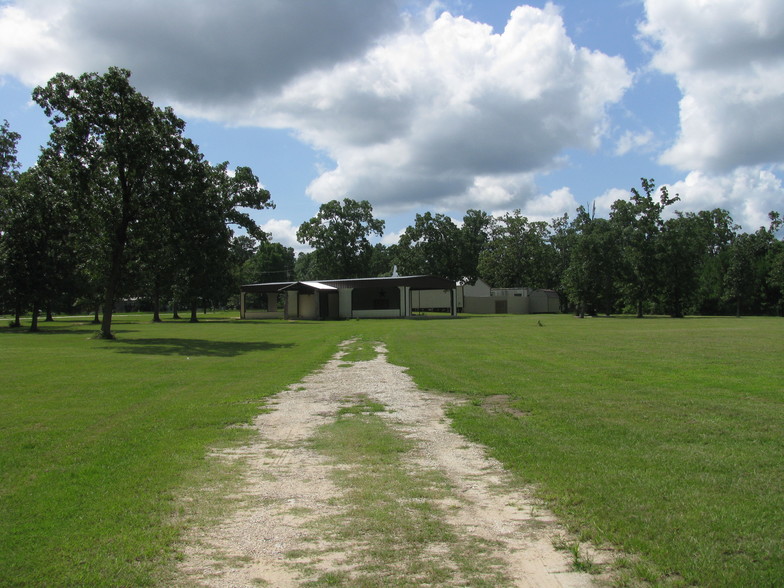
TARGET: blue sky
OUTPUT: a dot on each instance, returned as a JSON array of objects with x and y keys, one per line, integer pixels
[{"x": 439, "y": 106}]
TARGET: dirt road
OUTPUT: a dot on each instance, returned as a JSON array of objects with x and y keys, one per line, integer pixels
[{"x": 296, "y": 518}]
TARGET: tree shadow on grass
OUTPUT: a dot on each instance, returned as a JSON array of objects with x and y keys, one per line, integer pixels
[
  {"x": 285, "y": 323},
  {"x": 194, "y": 347},
  {"x": 90, "y": 332}
]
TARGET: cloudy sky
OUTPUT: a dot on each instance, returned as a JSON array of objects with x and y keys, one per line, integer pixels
[{"x": 439, "y": 106}]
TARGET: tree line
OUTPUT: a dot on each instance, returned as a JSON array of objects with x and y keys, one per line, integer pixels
[
  {"x": 121, "y": 204},
  {"x": 638, "y": 260}
]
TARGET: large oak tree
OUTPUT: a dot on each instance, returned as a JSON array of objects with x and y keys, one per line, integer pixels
[
  {"x": 147, "y": 199},
  {"x": 113, "y": 142}
]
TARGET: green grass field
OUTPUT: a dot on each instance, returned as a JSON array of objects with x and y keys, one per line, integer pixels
[{"x": 662, "y": 437}]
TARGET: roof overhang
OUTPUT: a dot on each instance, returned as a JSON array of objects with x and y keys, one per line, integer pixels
[
  {"x": 308, "y": 286},
  {"x": 265, "y": 288},
  {"x": 413, "y": 282}
]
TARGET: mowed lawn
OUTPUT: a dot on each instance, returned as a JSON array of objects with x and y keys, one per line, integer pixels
[
  {"x": 662, "y": 437},
  {"x": 100, "y": 439}
]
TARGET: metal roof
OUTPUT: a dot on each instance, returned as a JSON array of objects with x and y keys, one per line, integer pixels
[
  {"x": 421, "y": 282},
  {"x": 308, "y": 285},
  {"x": 266, "y": 287},
  {"x": 415, "y": 282}
]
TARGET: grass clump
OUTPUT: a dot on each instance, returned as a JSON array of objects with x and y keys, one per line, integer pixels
[
  {"x": 358, "y": 350},
  {"x": 581, "y": 562},
  {"x": 360, "y": 405}
]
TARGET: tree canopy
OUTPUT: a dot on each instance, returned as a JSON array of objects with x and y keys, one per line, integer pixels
[
  {"x": 643, "y": 259},
  {"x": 340, "y": 236},
  {"x": 153, "y": 216}
]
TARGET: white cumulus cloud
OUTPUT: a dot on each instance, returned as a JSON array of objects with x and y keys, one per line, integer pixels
[
  {"x": 452, "y": 114},
  {"x": 631, "y": 141},
  {"x": 550, "y": 206},
  {"x": 414, "y": 111},
  {"x": 749, "y": 193},
  {"x": 728, "y": 59},
  {"x": 283, "y": 231},
  {"x": 604, "y": 202}
]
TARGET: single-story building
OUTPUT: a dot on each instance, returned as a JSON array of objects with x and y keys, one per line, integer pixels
[
  {"x": 390, "y": 297},
  {"x": 480, "y": 298},
  {"x": 544, "y": 301}
]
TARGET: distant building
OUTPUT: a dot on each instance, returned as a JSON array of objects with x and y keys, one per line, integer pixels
[
  {"x": 391, "y": 297},
  {"x": 480, "y": 298}
]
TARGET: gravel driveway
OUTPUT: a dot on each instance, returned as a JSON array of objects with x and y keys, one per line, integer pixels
[{"x": 276, "y": 534}]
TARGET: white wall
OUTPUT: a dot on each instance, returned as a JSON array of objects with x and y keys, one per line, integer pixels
[
  {"x": 292, "y": 304},
  {"x": 423, "y": 299},
  {"x": 345, "y": 302},
  {"x": 479, "y": 288},
  {"x": 307, "y": 306},
  {"x": 479, "y": 304},
  {"x": 518, "y": 305},
  {"x": 541, "y": 302}
]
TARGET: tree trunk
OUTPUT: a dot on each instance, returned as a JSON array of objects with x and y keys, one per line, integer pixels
[
  {"x": 677, "y": 310},
  {"x": 120, "y": 237},
  {"x": 17, "y": 314},
  {"x": 108, "y": 310},
  {"x": 34, "y": 322},
  {"x": 639, "y": 308},
  {"x": 109, "y": 294},
  {"x": 156, "y": 307},
  {"x": 175, "y": 314},
  {"x": 194, "y": 312},
  {"x": 49, "y": 317},
  {"x": 96, "y": 314}
]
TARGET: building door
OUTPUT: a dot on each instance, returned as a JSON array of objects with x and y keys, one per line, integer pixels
[{"x": 323, "y": 305}]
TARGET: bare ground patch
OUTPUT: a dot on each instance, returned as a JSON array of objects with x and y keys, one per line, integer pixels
[{"x": 298, "y": 518}]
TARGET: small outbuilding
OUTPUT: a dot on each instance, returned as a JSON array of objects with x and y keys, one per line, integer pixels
[
  {"x": 389, "y": 297},
  {"x": 480, "y": 298},
  {"x": 544, "y": 301}
]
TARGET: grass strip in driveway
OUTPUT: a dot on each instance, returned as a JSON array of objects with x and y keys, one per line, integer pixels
[{"x": 393, "y": 519}]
